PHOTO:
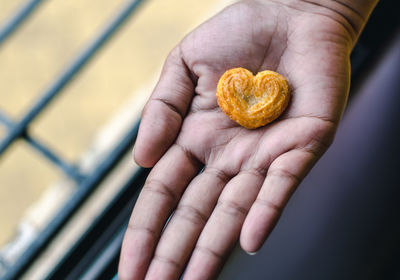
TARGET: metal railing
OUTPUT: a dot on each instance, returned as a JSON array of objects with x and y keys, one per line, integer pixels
[
  {"x": 20, "y": 16},
  {"x": 86, "y": 183}
]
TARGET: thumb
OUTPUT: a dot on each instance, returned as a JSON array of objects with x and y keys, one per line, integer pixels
[{"x": 164, "y": 112}]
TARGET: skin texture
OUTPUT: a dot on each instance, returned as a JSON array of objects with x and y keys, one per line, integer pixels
[{"x": 248, "y": 175}]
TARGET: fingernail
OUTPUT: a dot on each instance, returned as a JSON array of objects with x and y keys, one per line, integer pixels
[{"x": 252, "y": 253}]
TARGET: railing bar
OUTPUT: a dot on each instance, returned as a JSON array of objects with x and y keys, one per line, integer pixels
[
  {"x": 78, "y": 198},
  {"x": 83, "y": 253},
  {"x": 5, "y": 120},
  {"x": 69, "y": 170},
  {"x": 67, "y": 76},
  {"x": 104, "y": 257},
  {"x": 20, "y": 16}
]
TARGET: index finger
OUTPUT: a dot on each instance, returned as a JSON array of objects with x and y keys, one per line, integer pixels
[{"x": 159, "y": 197}]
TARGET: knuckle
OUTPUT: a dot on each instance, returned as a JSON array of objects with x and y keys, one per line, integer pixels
[
  {"x": 218, "y": 173},
  {"x": 191, "y": 214},
  {"x": 317, "y": 146},
  {"x": 188, "y": 154},
  {"x": 284, "y": 174},
  {"x": 169, "y": 104},
  {"x": 143, "y": 229},
  {"x": 167, "y": 260},
  {"x": 160, "y": 188},
  {"x": 232, "y": 208},
  {"x": 269, "y": 204},
  {"x": 209, "y": 252},
  {"x": 258, "y": 172}
]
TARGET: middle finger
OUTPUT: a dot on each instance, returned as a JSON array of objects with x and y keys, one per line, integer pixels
[{"x": 223, "y": 227}]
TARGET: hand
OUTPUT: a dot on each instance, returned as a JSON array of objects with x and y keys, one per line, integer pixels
[{"x": 248, "y": 175}]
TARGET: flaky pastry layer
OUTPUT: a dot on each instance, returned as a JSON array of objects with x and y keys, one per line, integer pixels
[{"x": 252, "y": 101}]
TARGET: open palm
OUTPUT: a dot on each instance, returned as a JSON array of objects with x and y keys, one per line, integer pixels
[{"x": 248, "y": 175}]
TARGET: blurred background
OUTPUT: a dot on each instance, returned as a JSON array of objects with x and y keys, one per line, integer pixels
[
  {"x": 67, "y": 181},
  {"x": 91, "y": 111}
]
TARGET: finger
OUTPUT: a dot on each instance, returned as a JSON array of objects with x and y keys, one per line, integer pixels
[
  {"x": 223, "y": 227},
  {"x": 158, "y": 198},
  {"x": 164, "y": 112},
  {"x": 284, "y": 175},
  {"x": 183, "y": 230}
]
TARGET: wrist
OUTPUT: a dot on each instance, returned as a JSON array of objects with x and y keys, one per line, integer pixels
[{"x": 351, "y": 14}]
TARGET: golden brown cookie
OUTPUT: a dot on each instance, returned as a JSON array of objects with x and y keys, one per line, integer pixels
[{"x": 252, "y": 101}]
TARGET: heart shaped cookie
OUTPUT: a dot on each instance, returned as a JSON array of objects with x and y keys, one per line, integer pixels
[{"x": 252, "y": 101}]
